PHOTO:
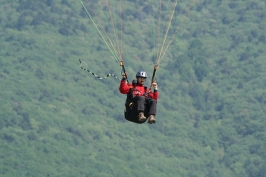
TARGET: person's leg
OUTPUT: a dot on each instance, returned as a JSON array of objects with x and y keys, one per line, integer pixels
[
  {"x": 151, "y": 108},
  {"x": 140, "y": 101},
  {"x": 136, "y": 108},
  {"x": 141, "y": 108}
]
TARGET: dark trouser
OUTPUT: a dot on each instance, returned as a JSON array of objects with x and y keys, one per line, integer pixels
[{"x": 140, "y": 104}]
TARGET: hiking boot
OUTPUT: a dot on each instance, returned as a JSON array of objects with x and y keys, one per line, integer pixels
[
  {"x": 141, "y": 116},
  {"x": 152, "y": 119}
]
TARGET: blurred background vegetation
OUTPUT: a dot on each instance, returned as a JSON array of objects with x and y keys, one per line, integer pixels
[{"x": 58, "y": 120}]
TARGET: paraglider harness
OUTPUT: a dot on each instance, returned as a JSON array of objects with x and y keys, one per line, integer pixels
[
  {"x": 130, "y": 94},
  {"x": 130, "y": 109}
]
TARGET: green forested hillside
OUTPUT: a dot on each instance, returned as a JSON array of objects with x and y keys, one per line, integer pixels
[{"x": 58, "y": 120}]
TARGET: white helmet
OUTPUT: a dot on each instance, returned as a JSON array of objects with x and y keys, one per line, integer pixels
[{"x": 141, "y": 74}]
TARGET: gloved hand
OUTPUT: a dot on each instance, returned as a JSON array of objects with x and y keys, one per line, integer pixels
[
  {"x": 124, "y": 75},
  {"x": 155, "y": 85}
]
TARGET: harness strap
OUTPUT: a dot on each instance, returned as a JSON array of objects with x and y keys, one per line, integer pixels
[
  {"x": 132, "y": 88},
  {"x": 146, "y": 93}
]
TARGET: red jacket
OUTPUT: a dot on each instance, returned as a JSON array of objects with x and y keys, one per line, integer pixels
[{"x": 139, "y": 90}]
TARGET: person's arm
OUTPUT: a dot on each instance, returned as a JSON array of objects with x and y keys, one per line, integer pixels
[
  {"x": 123, "y": 88},
  {"x": 155, "y": 94}
]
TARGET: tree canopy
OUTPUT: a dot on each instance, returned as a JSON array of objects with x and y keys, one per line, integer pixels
[{"x": 58, "y": 120}]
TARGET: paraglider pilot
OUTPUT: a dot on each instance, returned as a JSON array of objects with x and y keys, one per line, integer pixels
[{"x": 141, "y": 102}]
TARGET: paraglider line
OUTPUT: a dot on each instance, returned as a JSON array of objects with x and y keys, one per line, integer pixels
[{"x": 116, "y": 57}]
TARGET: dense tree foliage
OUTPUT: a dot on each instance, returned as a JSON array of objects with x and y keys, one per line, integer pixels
[{"x": 58, "y": 120}]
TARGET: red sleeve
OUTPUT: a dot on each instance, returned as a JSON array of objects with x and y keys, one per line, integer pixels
[
  {"x": 154, "y": 95},
  {"x": 124, "y": 87}
]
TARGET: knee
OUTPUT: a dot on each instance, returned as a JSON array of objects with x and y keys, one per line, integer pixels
[
  {"x": 153, "y": 101},
  {"x": 141, "y": 98}
]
